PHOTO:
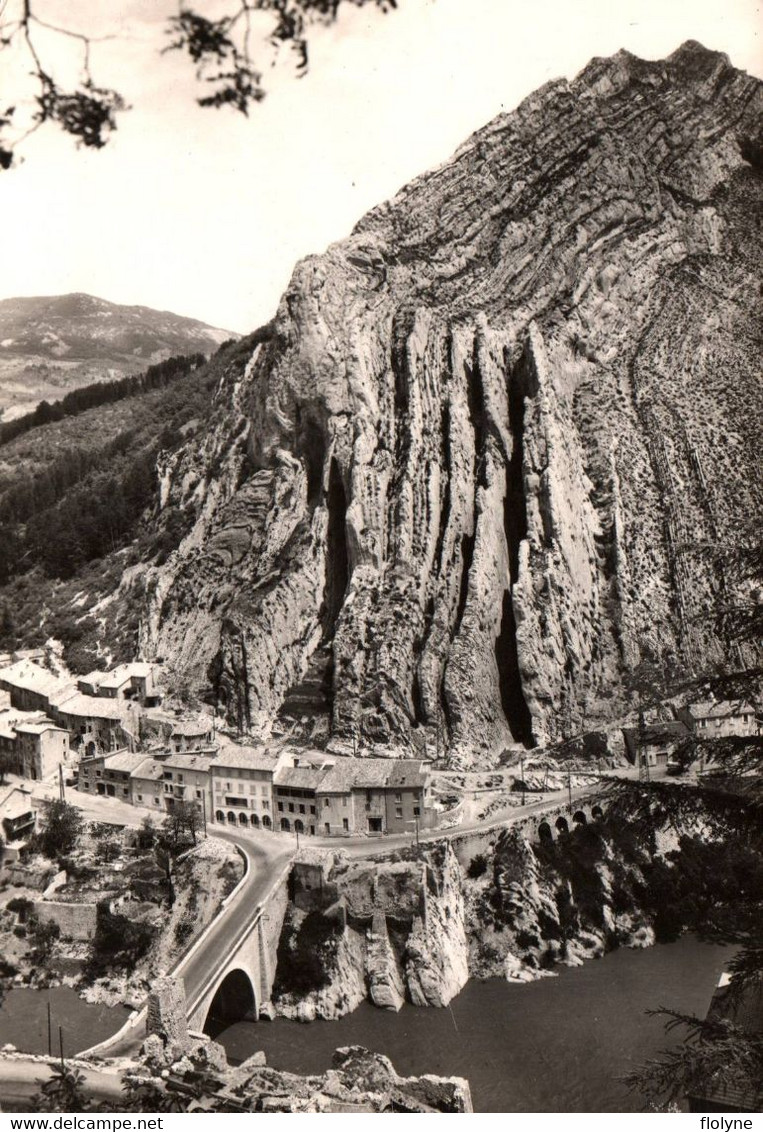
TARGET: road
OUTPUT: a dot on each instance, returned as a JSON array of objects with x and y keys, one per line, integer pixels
[{"x": 20, "y": 1080}]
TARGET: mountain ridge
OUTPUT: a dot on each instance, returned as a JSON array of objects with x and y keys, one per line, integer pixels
[{"x": 50, "y": 345}]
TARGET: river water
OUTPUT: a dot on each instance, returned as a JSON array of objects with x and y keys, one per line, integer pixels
[
  {"x": 556, "y": 1045},
  {"x": 24, "y": 1020}
]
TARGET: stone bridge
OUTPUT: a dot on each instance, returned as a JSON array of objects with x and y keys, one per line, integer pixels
[
  {"x": 540, "y": 824},
  {"x": 237, "y": 987}
]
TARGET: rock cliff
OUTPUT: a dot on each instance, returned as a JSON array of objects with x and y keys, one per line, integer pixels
[
  {"x": 644, "y": 866},
  {"x": 494, "y": 446},
  {"x": 399, "y": 933}
]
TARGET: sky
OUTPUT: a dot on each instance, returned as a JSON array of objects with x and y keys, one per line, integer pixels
[{"x": 205, "y": 212}]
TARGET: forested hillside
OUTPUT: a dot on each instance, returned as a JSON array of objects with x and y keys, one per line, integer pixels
[{"x": 76, "y": 497}]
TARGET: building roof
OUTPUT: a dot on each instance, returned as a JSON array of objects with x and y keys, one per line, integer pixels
[
  {"x": 148, "y": 769},
  {"x": 124, "y": 760},
  {"x": 300, "y": 777},
  {"x": 187, "y": 761},
  {"x": 118, "y": 676},
  {"x": 10, "y": 719},
  {"x": 40, "y": 728},
  {"x": 244, "y": 758},
  {"x": 364, "y": 774},
  {"x": 15, "y": 801},
  {"x": 89, "y": 707},
  {"x": 30, "y": 677},
  {"x": 721, "y": 710}
]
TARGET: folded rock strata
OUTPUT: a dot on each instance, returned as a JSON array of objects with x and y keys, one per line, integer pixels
[{"x": 492, "y": 447}]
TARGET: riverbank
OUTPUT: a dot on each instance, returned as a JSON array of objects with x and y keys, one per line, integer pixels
[{"x": 555, "y": 1045}]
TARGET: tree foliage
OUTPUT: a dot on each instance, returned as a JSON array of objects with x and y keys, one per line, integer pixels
[
  {"x": 221, "y": 50},
  {"x": 59, "y": 830}
]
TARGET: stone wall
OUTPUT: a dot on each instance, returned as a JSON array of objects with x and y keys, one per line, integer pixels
[{"x": 76, "y": 921}]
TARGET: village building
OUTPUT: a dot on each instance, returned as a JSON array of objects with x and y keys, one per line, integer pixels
[
  {"x": 242, "y": 783},
  {"x": 659, "y": 742},
  {"x": 18, "y": 813},
  {"x": 375, "y": 796},
  {"x": 135, "y": 681},
  {"x": 330, "y": 795},
  {"x": 109, "y": 774},
  {"x": 35, "y": 747},
  {"x": 96, "y": 724},
  {"x": 147, "y": 784},
  {"x": 721, "y": 719},
  {"x": 31, "y": 687},
  {"x": 186, "y": 778}
]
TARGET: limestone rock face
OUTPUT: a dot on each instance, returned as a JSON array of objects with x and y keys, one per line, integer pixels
[
  {"x": 403, "y": 937},
  {"x": 482, "y": 460}
]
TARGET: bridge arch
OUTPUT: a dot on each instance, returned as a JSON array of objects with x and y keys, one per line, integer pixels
[
  {"x": 597, "y": 813},
  {"x": 544, "y": 832},
  {"x": 235, "y": 1000},
  {"x": 579, "y": 818},
  {"x": 562, "y": 824}
]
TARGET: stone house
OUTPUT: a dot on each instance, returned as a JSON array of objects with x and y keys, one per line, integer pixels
[
  {"x": 134, "y": 681},
  {"x": 375, "y": 796},
  {"x": 35, "y": 746},
  {"x": 242, "y": 783},
  {"x": 31, "y": 687},
  {"x": 721, "y": 719},
  {"x": 660, "y": 740},
  {"x": 187, "y": 778},
  {"x": 147, "y": 784},
  {"x": 18, "y": 813},
  {"x": 331, "y": 795},
  {"x": 41, "y": 748},
  {"x": 109, "y": 774},
  {"x": 96, "y": 724}
]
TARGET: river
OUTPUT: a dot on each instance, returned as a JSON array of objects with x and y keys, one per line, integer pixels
[
  {"x": 24, "y": 1020},
  {"x": 556, "y": 1045}
]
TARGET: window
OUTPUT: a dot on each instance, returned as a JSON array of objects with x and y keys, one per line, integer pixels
[
  {"x": 167, "y": 776},
  {"x": 417, "y": 811},
  {"x": 344, "y": 800},
  {"x": 312, "y": 809},
  {"x": 125, "y": 790},
  {"x": 291, "y": 807},
  {"x": 156, "y": 801},
  {"x": 326, "y": 801},
  {"x": 180, "y": 778},
  {"x": 280, "y": 806},
  {"x": 345, "y": 824},
  {"x": 327, "y": 827},
  {"x": 265, "y": 804},
  {"x": 198, "y": 793},
  {"x": 398, "y": 796},
  {"x": 398, "y": 811},
  {"x": 140, "y": 797},
  {"x": 302, "y": 809}
]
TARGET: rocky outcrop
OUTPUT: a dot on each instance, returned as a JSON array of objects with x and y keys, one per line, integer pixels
[
  {"x": 402, "y": 936},
  {"x": 485, "y": 456}
]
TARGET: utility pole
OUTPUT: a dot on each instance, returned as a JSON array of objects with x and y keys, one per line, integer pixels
[
  {"x": 204, "y": 809},
  {"x": 61, "y": 1048},
  {"x": 61, "y": 786},
  {"x": 50, "y": 1033},
  {"x": 522, "y": 775},
  {"x": 642, "y": 753},
  {"x": 569, "y": 786}
]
